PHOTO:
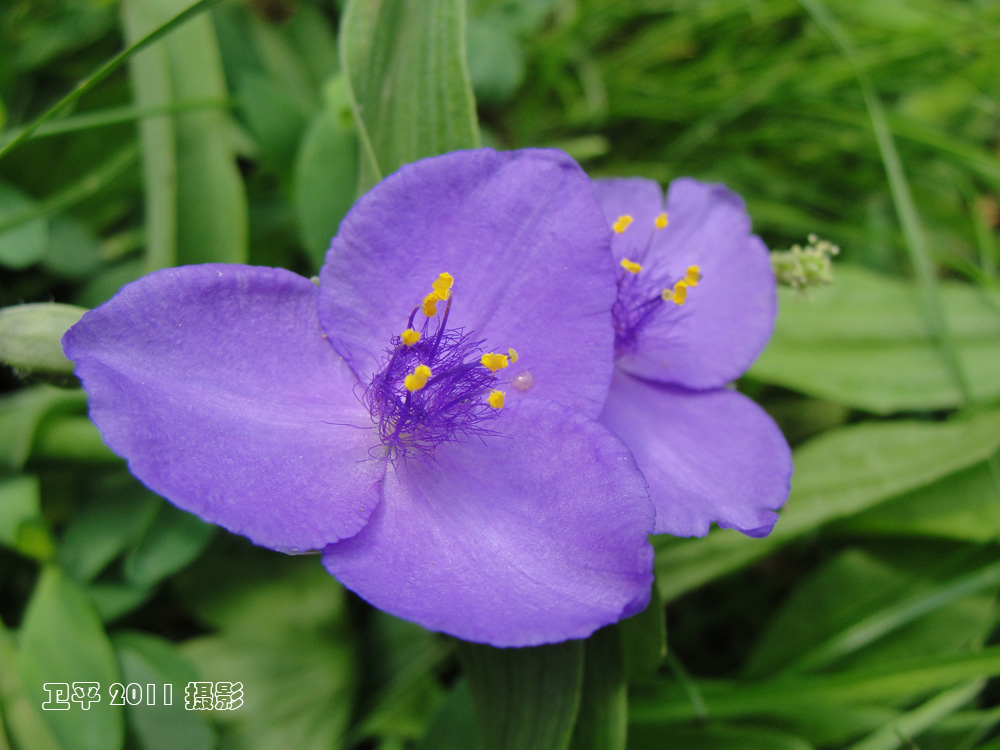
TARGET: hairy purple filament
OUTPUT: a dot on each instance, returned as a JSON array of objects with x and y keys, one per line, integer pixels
[
  {"x": 451, "y": 404},
  {"x": 634, "y": 307}
]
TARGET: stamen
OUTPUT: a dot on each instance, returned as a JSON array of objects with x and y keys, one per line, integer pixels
[
  {"x": 442, "y": 285},
  {"x": 631, "y": 266},
  {"x": 692, "y": 276},
  {"x": 430, "y": 305},
  {"x": 512, "y": 355},
  {"x": 418, "y": 379},
  {"x": 661, "y": 221},
  {"x": 436, "y": 384},
  {"x": 678, "y": 295},
  {"x": 494, "y": 362},
  {"x": 622, "y": 223}
]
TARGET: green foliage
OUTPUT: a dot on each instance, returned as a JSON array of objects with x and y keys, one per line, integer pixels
[
  {"x": 528, "y": 697},
  {"x": 62, "y": 641},
  {"x": 194, "y": 194},
  {"x": 405, "y": 67},
  {"x": 149, "y": 133}
]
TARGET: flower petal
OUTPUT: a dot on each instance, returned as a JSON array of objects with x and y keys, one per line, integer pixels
[
  {"x": 523, "y": 237},
  {"x": 532, "y": 537},
  {"x": 640, "y": 199},
  {"x": 727, "y": 319},
  {"x": 217, "y": 385},
  {"x": 707, "y": 455}
]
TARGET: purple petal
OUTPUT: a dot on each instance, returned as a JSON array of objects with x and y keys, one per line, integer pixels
[
  {"x": 533, "y": 537},
  {"x": 727, "y": 319},
  {"x": 709, "y": 456},
  {"x": 630, "y": 196},
  {"x": 523, "y": 236},
  {"x": 218, "y": 386}
]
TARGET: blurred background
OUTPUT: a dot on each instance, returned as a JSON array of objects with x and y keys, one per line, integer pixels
[{"x": 866, "y": 620}]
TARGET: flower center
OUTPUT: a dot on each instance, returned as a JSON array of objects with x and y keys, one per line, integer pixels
[
  {"x": 643, "y": 296},
  {"x": 437, "y": 383}
]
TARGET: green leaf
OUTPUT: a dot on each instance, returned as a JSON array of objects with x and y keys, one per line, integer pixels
[
  {"x": 74, "y": 251},
  {"x": 298, "y": 685},
  {"x": 863, "y": 342},
  {"x": 716, "y": 737},
  {"x": 63, "y": 641},
  {"x": 838, "y": 474},
  {"x": 72, "y": 438},
  {"x": 796, "y": 696},
  {"x": 406, "y": 71},
  {"x": 454, "y": 725},
  {"x": 106, "y": 525},
  {"x": 196, "y": 207},
  {"x": 102, "y": 72},
  {"x": 963, "y": 505},
  {"x": 408, "y": 660},
  {"x": 282, "y": 633},
  {"x": 899, "y": 186},
  {"x": 152, "y": 662},
  {"x": 31, "y": 336},
  {"x": 113, "y": 600},
  {"x": 902, "y": 730},
  {"x": 644, "y": 638},
  {"x": 524, "y": 697},
  {"x": 23, "y": 721},
  {"x": 22, "y": 526},
  {"x": 171, "y": 540},
  {"x": 603, "y": 715},
  {"x": 21, "y": 414},
  {"x": 276, "y": 118},
  {"x": 496, "y": 61},
  {"x": 326, "y": 172},
  {"x": 868, "y": 609},
  {"x": 246, "y": 590},
  {"x": 24, "y": 244}
]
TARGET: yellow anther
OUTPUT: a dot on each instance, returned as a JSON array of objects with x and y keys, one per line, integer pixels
[
  {"x": 430, "y": 305},
  {"x": 692, "y": 276},
  {"x": 661, "y": 221},
  {"x": 410, "y": 337},
  {"x": 631, "y": 266},
  {"x": 512, "y": 355},
  {"x": 494, "y": 362},
  {"x": 442, "y": 285},
  {"x": 496, "y": 399},
  {"x": 418, "y": 379},
  {"x": 678, "y": 295},
  {"x": 622, "y": 223}
]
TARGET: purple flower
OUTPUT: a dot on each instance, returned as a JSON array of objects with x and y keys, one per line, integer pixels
[
  {"x": 696, "y": 305},
  {"x": 426, "y": 417}
]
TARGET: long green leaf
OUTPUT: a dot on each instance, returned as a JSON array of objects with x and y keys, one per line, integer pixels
[
  {"x": 109, "y": 67},
  {"x": 63, "y": 641},
  {"x": 727, "y": 699},
  {"x": 603, "y": 721},
  {"x": 862, "y": 343},
  {"x": 841, "y": 473},
  {"x": 406, "y": 72},
  {"x": 525, "y": 698},
  {"x": 899, "y": 186},
  {"x": 920, "y": 719},
  {"x": 865, "y": 608},
  {"x": 195, "y": 202}
]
